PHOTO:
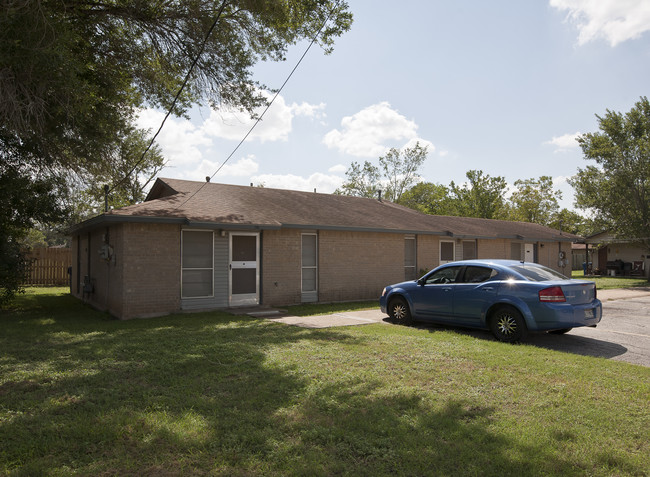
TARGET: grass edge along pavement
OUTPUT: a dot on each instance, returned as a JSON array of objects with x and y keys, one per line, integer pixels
[{"x": 213, "y": 393}]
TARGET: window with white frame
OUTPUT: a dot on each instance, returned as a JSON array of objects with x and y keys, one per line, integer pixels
[{"x": 197, "y": 264}]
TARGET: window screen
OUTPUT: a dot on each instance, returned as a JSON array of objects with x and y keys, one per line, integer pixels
[
  {"x": 447, "y": 251},
  {"x": 469, "y": 249},
  {"x": 309, "y": 262},
  {"x": 197, "y": 264},
  {"x": 409, "y": 258}
]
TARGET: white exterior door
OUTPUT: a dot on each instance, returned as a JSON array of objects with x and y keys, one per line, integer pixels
[
  {"x": 244, "y": 269},
  {"x": 529, "y": 252}
]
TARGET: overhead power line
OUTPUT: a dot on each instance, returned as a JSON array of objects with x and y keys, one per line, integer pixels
[
  {"x": 311, "y": 43},
  {"x": 178, "y": 94}
]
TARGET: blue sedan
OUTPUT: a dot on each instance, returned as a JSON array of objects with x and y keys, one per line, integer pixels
[{"x": 507, "y": 297}]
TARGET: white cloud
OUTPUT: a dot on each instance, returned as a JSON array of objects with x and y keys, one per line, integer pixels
[
  {"x": 244, "y": 167},
  {"x": 179, "y": 139},
  {"x": 560, "y": 181},
  {"x": 423, "y": 143},
  {"x": 275, "y": 125},
  {"x": 565, "y": 143},
  {"x": 365, "y": 133},
  {"x": 614, "y": 20},
  {"x": 323, "y": 183},
  {"x": 338, "y": 169},
  {"x": 309, "y": 110}
]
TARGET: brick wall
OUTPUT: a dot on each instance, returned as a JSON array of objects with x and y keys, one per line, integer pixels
[
  {"x": 428, "y": 253},
  {"x": 547, "y": 252},
  {"x": 142, "y": 276},
  {"x": 351, "y": 265},
  {"x": 151, "y": 257},
  {"x": 281, "y": 261},
  {"x": 103, "y": 275},
  {"x": 357, "y": 265},
  {"x": 494, "y": 248}
]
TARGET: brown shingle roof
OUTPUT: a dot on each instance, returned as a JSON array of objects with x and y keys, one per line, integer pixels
[{"x": 230, "y": 206}]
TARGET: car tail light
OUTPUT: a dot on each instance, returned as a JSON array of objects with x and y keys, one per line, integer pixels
[{"x": 553, "y": 294}]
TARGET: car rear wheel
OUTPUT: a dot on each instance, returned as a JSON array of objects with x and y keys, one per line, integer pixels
[
  {"x": 560, "y": 331},
  {"x": 399, "y": 311},
  {"x": 508, "y": 325}
]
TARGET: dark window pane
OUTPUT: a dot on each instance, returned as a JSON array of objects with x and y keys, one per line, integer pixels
[
  {"x": 244, "y": 281},
  {"x": 244, "y": 248},
  {"x": 447, "y": 251},
  {"x": 308, "y": 250},
  {"x": 477, "y": 274},
  {"x": 308, "y": 279},
  {"x": 197, "y": 249},
  {"x": 197, "y": 283}
]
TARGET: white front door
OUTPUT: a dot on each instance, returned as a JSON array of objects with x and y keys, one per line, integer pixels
[
  {"x": 244, "y": 269},
  {"x": 529, "y": 252}
]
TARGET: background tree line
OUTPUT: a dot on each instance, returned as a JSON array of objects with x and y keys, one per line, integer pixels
[{"x": 613, "y": 194}]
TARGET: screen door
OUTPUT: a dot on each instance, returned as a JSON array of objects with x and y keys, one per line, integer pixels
[{"x": 244, "y": 269}]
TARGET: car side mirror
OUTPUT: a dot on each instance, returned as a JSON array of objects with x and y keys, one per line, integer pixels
[{"x": 420, "y": 281}]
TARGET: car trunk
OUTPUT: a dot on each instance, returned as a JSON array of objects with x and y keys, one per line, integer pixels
[{"x": 579, "y": 293}]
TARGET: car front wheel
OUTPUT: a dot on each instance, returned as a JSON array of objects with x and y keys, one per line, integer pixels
[
  {"x": 508, "y": 325},
  {"x": 399, "y": 311}
]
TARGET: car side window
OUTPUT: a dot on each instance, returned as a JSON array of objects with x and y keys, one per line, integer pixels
[
  {"x": 442, "y": 276},
  {"x": 478, "y": 274}
]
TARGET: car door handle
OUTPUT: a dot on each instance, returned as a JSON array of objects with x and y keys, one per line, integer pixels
[{"x": 488, "y": 289}]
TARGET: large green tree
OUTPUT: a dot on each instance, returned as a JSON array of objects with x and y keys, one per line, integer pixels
[
  {"x": 429, "y": 198},
  {"x": 535, "y": 200},
  {"x": 128, "y": 171},
  {"x": 482, "y": 196},
  {"x": 617, "y": 188},
  {"x": 362, "y": 180},
  {"x": 28, "y": 198},
  {"x": 396, "y": 173},
  {"x": 72, "y": 72},
  {"x": 400, "y": 167}
]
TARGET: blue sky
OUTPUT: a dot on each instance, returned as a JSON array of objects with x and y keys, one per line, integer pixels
[{"x": 501, "y": 86}]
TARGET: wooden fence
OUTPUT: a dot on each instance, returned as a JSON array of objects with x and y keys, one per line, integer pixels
[{"x": 48, "y": 266}]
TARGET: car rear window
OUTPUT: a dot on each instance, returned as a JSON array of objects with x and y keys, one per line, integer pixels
[{"x": 538, "y": 273}]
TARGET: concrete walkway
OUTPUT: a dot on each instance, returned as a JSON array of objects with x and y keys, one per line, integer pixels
[{"x": 366, "y": 317}]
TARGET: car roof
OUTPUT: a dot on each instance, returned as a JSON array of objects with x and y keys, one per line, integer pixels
[
  {"x": 500, "y": 264},
  {"x": 495, "y": 261}
]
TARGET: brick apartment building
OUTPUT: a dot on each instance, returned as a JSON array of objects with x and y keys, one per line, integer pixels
[{"x": 198, "y": 246}]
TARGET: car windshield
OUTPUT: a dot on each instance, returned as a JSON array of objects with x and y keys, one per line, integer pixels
[{"x": 538, "y": 273}]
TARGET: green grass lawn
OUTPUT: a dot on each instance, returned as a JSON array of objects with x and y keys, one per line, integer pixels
[
  {"x": 217, "y": 394},
  {"x": 606, "y": 282}
]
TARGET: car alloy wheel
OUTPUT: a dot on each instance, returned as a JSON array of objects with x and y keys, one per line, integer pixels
[
  {"x": 399, "y": 311},
  {"x": 508, "y": 325}
]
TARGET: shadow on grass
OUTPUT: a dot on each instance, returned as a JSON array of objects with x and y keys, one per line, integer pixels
[
  {"x": 567, "y": 343},
  {"x": 200, "y": 394}
]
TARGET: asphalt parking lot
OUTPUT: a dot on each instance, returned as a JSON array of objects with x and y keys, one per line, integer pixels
[{"x": 623, "y": 333}]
